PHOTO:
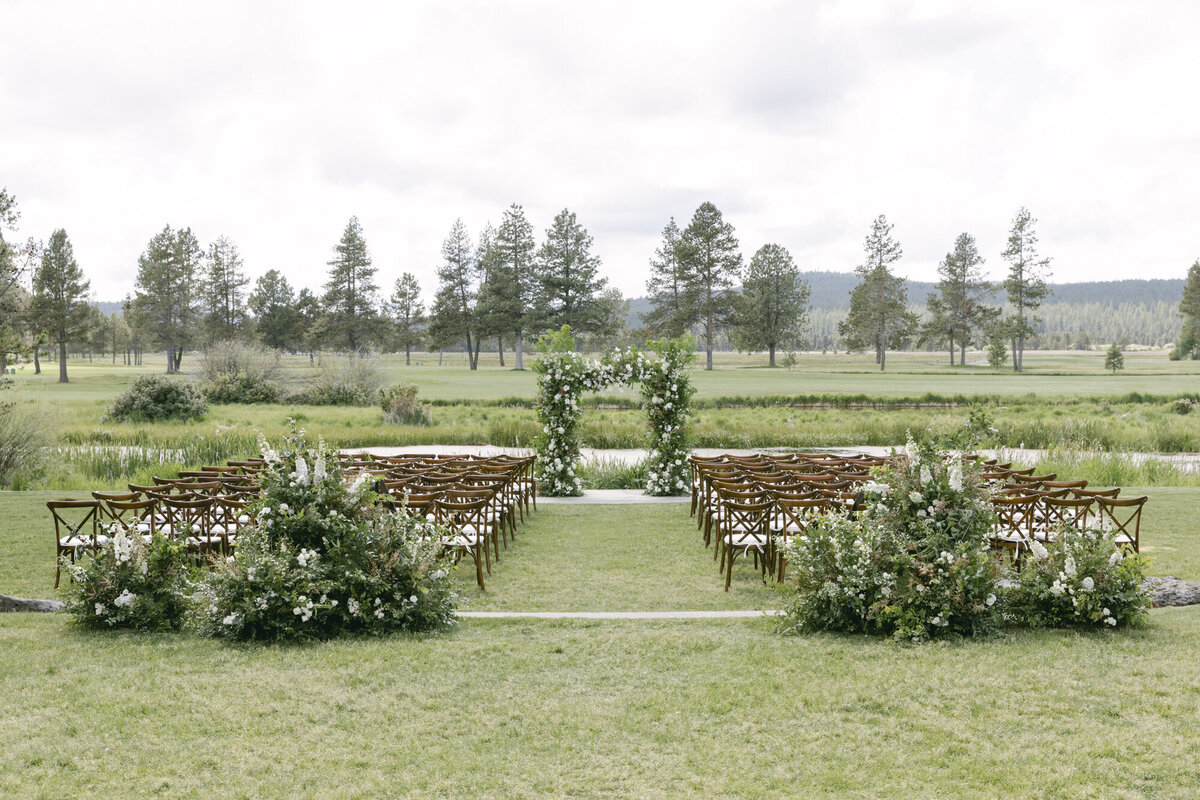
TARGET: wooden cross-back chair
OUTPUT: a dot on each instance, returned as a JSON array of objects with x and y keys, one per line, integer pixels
[
  {"x": 744, "y": 529},
  {"x": 1062, "y": 513},
  {"x": 792, "y": 518},
  {"x": 1122, "y": 518},
  {"x": 1013, "y": 527},
  {"x": 467, "y": 523},
  {"x": 75, "y": 530}
]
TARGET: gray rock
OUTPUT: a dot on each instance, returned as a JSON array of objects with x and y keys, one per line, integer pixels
[
  {"x": 1170, "y": 591},
  {"x": 21, "y": 604}
]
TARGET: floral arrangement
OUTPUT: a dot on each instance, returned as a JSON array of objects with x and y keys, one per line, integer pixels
[
  {"x": 131, "y": 583},
  {"x": 1080, "y": 578},
  {"x": 916, "y": 564},
  {"x": 666, "y": 389},
  {"x": 325, "y": 560}
]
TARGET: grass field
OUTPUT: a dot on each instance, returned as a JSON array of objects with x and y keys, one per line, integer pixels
[
  {"x": 1064, "y": 401},
  {"x": 538, "y": 708}
]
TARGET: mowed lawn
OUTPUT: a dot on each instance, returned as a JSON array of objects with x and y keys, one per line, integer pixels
[{"x": 589, "y": 708}]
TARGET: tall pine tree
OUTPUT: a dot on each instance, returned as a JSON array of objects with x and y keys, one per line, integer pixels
[
  {"x": 224, "y": 291},
  {"x": 166, "y": 290},
  {"x": 351, "y": 317},
  {"x": 509, "y": 285},
  {"x": 958, "y": 308},
  {"x": 772, "y": 310},
  {"x": 569, "y": 287},
  {"x": 60, "y": 295},
  {"x": 276, "y": 317},
  {"x": 711, "y": 265},
  {"x": 879, "y": 317},
  {"x": 1025, "y": 284},
  {"x": 670, "y": 313},
  {"x": 1188, "y": 345},
  {"x": 455, "y": 318},
  {"x": 408, "y": 314}
]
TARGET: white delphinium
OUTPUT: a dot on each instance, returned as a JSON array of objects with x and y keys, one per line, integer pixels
[
  {"x": 955, "y": 473},
  {"x": 319, "y": 471},
  {"x": 1039, "y": 551},
  {"x": 122, "y": 547},
  {"x": 301, "y": 473}
]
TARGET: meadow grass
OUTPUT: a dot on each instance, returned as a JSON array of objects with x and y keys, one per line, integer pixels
[{"x": 537, "y": 708}]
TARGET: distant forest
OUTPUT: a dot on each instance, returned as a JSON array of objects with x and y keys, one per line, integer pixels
[{"x": 1075, "y": 315}]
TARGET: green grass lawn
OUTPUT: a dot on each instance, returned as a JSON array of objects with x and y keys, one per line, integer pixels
[{"x": 637, "y": 709}]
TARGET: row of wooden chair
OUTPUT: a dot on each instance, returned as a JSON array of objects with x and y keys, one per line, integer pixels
[
  {"x": 479, "y": 499},
  {"x": 755, "y": 504}
]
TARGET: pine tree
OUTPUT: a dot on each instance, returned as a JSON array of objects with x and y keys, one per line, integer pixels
[
  {"x": 569, "y": 286},
  {"x": 1189, "y": 309},
  {"x": 166, "y": 291},
  {"x": 224, "y": 291},
  {"x": 349, "y": 300},
  {"x": 60, "y": 297},
  {"x": 508, "y": 290},
  {"x": 958, "y": 309},
  {"x": 879, "y": 317},
  {"x": 1026, "y": 282},
  {"x": 408, "y": 313},
  {"x": 454, "y": 318},
  {"x": 711, "y": 263},
  {"x": 668, "y": 288},
  {"x": 276, "y": 316},
  {"x": 773, "y": 308},
  {"x": 1114, "y": 359}
]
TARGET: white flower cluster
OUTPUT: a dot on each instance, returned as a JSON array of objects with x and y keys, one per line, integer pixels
[{"x": 305, "y": 608}]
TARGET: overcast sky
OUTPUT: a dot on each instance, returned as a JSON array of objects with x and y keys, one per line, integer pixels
[{"x": 273, "y": 123}]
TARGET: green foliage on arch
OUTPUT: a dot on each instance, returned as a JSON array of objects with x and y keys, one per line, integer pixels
[{"x": 564, "y": 375}]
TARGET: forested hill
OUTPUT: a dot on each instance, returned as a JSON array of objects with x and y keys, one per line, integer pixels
[
  {"x": 831, "y": 290},
  {"x": 1137, "y": 311}
]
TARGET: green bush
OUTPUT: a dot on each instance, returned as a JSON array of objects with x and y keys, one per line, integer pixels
[
  {"x": 233, "y": 372},
  {"x": 1079, "y": 579},
  {"x": 239, "y": 389},
  {"x": 401, "y": 407},
  {"x": 353, "y": 380},
  {"x": 131, "y": 584},
  {"x": 151, "y": 398},
  {"x": 23, "y": 442},
  {"x": 325, "y": 561}
]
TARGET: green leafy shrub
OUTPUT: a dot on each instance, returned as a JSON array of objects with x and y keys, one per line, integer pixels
[
  {"x": 1079, "y": 579},
  {"x": 132, "y": 584},
  {"x": 325, "y": 561},
  {"x": 401, "y": 407},
  {"x": 353, "y": 380},
  {"x": 152, "y": 398},
  {"x": 1182, "y": 405},
  {"x": 23, "y": 443},
  {"x": 233, "y": 372},
  {"x": 239, "y": 389}
]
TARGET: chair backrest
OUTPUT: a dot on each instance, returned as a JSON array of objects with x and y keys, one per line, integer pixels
[
  {"x": 459, "y": 514},
  {"x": 186, "y": 518},
  {"x": 1110, "y": 493},
  {"x": 1063, "y": 512},
  {"x": 1122, "y": 518},
  {"x": 131, "y": 514},
  {"x": 1081, "y": 484},
  {"x": 794, "y": 515},
  {"x": 1014, "y": 515},
  {"x": 75, "y": 519},
  {"x": 747, "y": 521}
]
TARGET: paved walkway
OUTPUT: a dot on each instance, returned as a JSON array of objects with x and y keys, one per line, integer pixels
[
  {"x": 616, "y": 614},
  {"x": 611, "y": 497}
]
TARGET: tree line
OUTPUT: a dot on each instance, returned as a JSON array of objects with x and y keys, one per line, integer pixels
[{"x": 504, "y": 286}]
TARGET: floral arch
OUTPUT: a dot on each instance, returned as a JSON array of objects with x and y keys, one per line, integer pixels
[{"x": 564, "y": 375}]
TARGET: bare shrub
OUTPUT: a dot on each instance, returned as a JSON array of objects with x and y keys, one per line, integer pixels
[{"x": 23, "y": 441}]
